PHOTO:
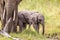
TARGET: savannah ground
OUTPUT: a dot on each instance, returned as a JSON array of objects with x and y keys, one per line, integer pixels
[{"x": 51, "y": 11}]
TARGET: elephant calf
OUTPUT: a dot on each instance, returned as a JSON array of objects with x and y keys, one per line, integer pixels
[{"x": 30, "y": 17}]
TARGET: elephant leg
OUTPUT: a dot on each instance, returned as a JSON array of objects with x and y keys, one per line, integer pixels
[
  {"x": 29, "y": 26},
  {"x": 20, "y": 28},
  {"x": 36, "y": 27},
  {"x": 30, "y": 23},
  {"x": 20, "y": 24},
  {"x": 14, "y": 26},
  {"x": 24, "y": 26}
]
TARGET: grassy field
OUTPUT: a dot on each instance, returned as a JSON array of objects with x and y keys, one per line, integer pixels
[{"x": 51, "y": 11}]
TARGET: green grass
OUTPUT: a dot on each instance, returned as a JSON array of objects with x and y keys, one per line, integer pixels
[
  {"x": 29, "y": 35},
  {"x": 51, "y": 11}
]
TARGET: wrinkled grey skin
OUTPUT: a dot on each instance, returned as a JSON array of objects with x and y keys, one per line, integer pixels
[
  {"x": 11, "y": 9},
  {"x": 30, "y": 17}
]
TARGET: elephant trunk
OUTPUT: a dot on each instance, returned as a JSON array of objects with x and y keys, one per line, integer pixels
[
  {"x": 43, "y": 29},
  {"x": 43, "y": 26}
]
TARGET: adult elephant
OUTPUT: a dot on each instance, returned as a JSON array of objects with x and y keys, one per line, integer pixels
[
  {"x": 30, "y": 17},
  {"x": 11, "y": 9}
]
